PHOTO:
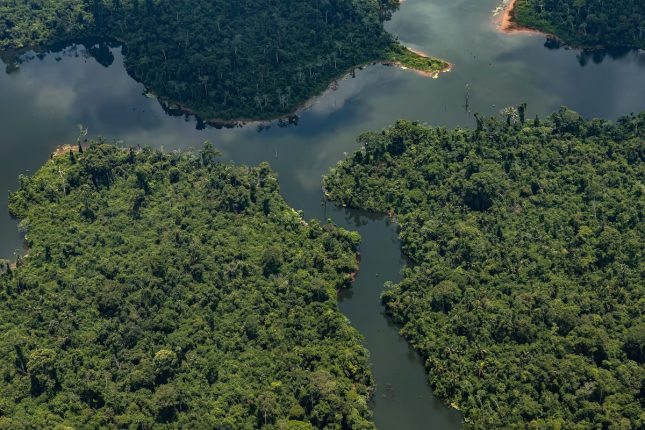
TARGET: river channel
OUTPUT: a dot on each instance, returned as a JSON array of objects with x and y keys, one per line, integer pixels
[{"x": 42, "y": 103}]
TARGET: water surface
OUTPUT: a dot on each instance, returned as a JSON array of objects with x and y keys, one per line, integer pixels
[{"x": 42, "y": 103}]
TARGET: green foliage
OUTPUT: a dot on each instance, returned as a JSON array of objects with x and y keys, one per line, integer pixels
[
  {"x": 175, "y": 291},
  {"x": 524, "y": 291},
  {"x": 400, "y": 55},
  {"x": 587, "y": 22},
  {"x": 222, "y": 59}
]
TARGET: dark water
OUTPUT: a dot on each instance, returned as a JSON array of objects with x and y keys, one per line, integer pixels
[{"x": 42, "y": 103}]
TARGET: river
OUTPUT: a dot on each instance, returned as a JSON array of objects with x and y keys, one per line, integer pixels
[{"x": 42, "y": 103}]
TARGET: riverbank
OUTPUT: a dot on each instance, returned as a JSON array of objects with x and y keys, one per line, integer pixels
[
  {"x": 507, "y": 22},
  {"x": 534, "y": 23},
  {"x": 417, "y": 61},
  {"x": 399, "y": 56}
]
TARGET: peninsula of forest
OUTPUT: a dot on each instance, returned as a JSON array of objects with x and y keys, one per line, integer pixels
[
  {"x": 223, "y": 61},
  {"x": 175, "y": 291}
]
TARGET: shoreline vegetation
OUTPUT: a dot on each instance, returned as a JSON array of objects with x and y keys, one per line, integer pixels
[
  {"x": 398, "y": 56},
  {"x": 402, "y": 57},
  {"x": 417, "y": 61}
]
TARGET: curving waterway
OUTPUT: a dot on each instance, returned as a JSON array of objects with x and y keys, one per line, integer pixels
[{"x": 42, "y": 103}]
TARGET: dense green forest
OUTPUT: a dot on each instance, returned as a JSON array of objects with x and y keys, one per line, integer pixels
[
  {"x": 525, "y": 287},
  {"x": 174, "y": 291},
  {"x": 222, "y": 59},
  {"x": 588, "y": 23}
]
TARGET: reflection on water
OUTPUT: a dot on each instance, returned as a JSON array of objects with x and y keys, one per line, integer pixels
[
  {"x": 47, "y": 96},
  {"x": 599, "y": 55}
]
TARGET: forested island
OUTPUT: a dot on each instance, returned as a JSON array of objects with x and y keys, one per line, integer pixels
[
  {"x": 223, "y": 60},
  {"x": 585, "y": 23},
  {"x": 525, "y": 285},
  {"x": 175, "y": 291}
]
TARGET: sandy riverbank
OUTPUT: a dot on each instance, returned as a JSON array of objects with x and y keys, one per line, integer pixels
[
  {"x": 433, "y": 74},
  {"x": 507, "y": 23}
]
